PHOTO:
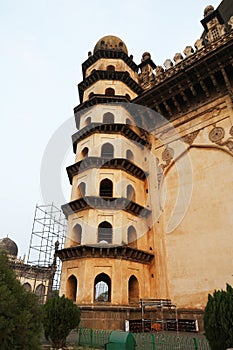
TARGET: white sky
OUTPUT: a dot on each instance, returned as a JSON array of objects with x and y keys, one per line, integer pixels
[{"x": 42, "y": 46}]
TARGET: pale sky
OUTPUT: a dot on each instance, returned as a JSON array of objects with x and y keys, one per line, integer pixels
[{"x": 42, "y": 46}]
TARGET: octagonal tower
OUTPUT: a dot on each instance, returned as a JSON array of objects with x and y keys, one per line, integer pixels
[{"x": 109, "y": 252}]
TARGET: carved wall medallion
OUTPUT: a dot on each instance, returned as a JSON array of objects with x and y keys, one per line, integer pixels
[
  {"x": 167, "y": 156},
  {"x": 216, "y": 135}
]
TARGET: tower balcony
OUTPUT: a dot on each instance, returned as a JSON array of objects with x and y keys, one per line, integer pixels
[
  {"x": 105, "y": 251},
  {"x": 107, "y": 203},
  {"x": 105, "y": 163},
  {"x": 117, "y": 128}
]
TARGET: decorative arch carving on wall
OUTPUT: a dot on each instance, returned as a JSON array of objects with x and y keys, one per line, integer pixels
[
  {"x": 130, "y": 193},
  {"x": 174, "y": 221},
  {"x": 132, "y": 236},
  {"x": 71, "y": 287},
  {"x": 133, "y": 290},
  {"x": 77, "y": 235}
]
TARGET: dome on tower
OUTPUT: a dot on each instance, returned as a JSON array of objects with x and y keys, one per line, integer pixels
[
  {"x": 111, "y": 42},
  {"x": 9, "y": 246}
]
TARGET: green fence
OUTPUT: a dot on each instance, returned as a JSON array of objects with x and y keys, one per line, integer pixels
[{"x": 145, "y": 341}]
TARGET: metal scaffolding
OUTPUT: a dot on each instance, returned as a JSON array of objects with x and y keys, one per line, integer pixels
[
  {"x": 43, "y": 268},
  {"x": 161, "y": 305}
]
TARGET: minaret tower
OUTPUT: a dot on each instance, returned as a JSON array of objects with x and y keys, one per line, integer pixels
[{"x": 109, "y": 254}]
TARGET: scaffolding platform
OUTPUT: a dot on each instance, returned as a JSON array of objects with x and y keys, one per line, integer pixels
[{"x": 48, "y": 234}]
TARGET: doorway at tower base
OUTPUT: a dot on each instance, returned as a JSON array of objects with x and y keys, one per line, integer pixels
[{"x": 115, "y": 317}]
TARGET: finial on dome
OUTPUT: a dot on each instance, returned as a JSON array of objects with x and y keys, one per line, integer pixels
[
  {"x": 209, "y": 9},
  {"x": 146, "y": 56}
]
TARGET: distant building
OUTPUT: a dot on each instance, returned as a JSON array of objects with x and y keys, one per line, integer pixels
[
  {"x": 37, "y": 279},
  {"x": 150, "y": 215}
]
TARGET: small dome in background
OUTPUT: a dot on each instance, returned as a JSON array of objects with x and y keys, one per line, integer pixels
[
  {"x": 208, "y": 10},
  {"x": 9, "y": 246},
  {"x": 111, "y": 42}
]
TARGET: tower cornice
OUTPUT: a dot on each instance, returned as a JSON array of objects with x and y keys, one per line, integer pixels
[
  {"x": 105, "y": 251},
  {"x": 105, "y": 163},
  {"x": 117, "y": 128},
  {"x": 99, "y": 99},
  {"x": 107, "y": 203}
]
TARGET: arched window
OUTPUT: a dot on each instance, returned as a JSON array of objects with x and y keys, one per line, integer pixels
[
  {"x": 128, "y": 121},
  {"x": 130, "y": 193},
  {"x": 109, "y": 92},
  {"x": 102, "y": 288},
  {"x": 108, "y": 118},
  {"x": 71, "y": 287},
  {"x": 88, "y": 121},
  {"x": 76, "y": 235},
  {"x": 27, "y": 286},
  {"x": 105, "y": 232},
  {"x": 127, "y": 96},
  {"x": 132, "y": 237},
  {"x": 82, "y": 189},
  {"x": 93, "y": 71},
  {"x": 40, "y": 292},
  {"x": 111, "y": 68},
  {"x": 106, "y": 188},
  {"x": 107, "y": 150},
  {"x": 91, "y": 94},
  {"x": 84, "y": 152},
  {"x": 129, "y": 155},
  {"x": 133, "y": 290}
]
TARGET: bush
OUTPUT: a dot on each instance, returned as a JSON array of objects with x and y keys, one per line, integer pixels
[
  {"x": 218, "y": 319},
  {"x": 20, "y": 314},
  {"x": 61, "y": 315}
]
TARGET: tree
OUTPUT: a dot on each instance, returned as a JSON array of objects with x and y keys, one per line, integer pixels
[
  {"x": 61, "y": 315},
  {"x": 20, "y": 314},
  {"x": 218, "y": 319}
]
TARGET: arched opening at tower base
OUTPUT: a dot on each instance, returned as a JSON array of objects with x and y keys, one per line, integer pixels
[
  {"x": 102, "y": 288},
  {"x": 71, "y": 288}
]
